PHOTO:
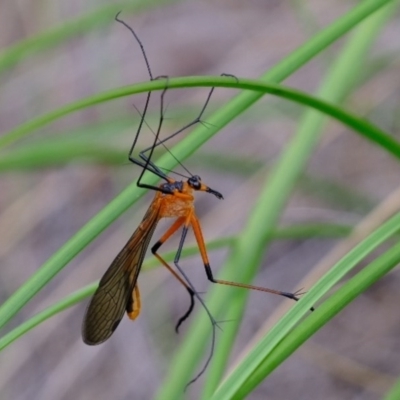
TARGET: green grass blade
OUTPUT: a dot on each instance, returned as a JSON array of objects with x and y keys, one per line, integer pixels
[
  {"x": 59, "y": 152},
  {"x": 36, "y": 320},
  {"x": 289, "y": 232},
  {"x": 394, "y": 392},
  {"x": 185, "y": 148},
  {"x": 88, "y": 290},
  {"x": 361, "y": 126},
  {"x": 258, "y": 354},
  {"x": 322, "y": 315},
  {"x": 249, "y": 250},
  {"x": 272, "y": 200}
]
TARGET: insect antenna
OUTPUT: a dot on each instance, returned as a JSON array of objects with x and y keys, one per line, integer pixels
[
  {"x": 147, "y": 165},
  {"x": 174, "y": 172},
  {"x": 150, "y": 74},
  {"x": 157, "y": 141}
]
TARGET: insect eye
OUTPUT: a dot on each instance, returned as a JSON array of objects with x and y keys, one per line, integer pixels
[{"x": 195, "y": 182}]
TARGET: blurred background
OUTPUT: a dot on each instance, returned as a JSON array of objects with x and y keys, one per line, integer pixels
[{"x": 44, "y": 200}]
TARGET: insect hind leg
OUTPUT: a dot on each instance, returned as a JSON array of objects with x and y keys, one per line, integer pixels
[
  {"x": 213, "y": 321},
  {"x": 185, "y": 280}
]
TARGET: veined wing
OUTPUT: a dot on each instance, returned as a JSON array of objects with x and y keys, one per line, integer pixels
[{"x": 114, "y": 293}]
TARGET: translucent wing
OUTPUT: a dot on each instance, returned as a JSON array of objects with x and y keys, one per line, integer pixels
[{"x": 115, "y": 292}]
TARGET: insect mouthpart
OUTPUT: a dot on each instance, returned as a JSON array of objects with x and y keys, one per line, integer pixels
[{"x": 215, "y": 193}]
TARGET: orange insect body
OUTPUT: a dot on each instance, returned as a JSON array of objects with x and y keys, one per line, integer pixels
[
  {"x": 118, "y": 290},
  {"x": 180, "y": 204}
]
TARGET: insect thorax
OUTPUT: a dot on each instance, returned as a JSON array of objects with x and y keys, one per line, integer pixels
[{"x": 175, "y": 206}]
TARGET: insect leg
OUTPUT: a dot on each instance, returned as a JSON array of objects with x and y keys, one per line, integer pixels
[
  {"x": 213, "y": 321},
  {"x": 148, "y": 165},
  {"x": 162, "y": 142},
  {"x": 193, "y": 293},
  {"x": 189, "y": 287},
  {"x": 200, "y": 242},
  {"x": 197, "y": 120}
]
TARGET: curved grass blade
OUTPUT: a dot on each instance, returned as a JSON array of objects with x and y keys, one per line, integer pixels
[
  {"x": 253, "y": 239},
  {"x": 289, "y": 232},
  {"x": 323, "y": 314},
  {"x": 260, "y": 352},
  {"x": 359, "y": 125},
  {"x": 335, "y": 87}
]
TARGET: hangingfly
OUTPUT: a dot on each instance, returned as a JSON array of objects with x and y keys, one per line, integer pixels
[{"x": 118, "y": 290}]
